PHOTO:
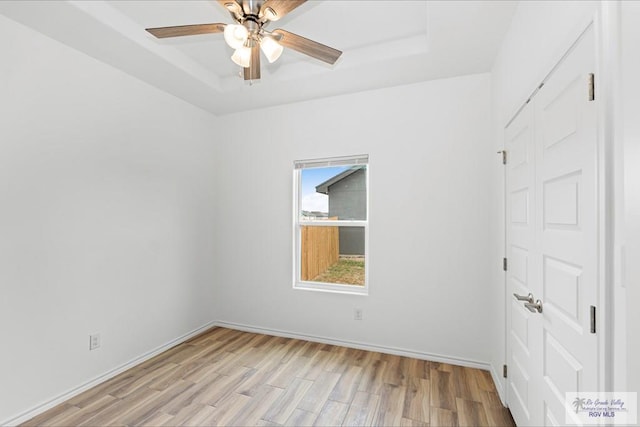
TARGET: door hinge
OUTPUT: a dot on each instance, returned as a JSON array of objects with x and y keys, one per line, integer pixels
[
  {"x": 593, "y": 319},
  {"x": 504, "y": 156},
  {"x": 504, "y": 264},
  {"x": 504, "y": 371},
  {"x": 592, "y": 87}
]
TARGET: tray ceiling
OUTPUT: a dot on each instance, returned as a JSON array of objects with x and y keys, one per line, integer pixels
[{"x": 385, "y": 43}]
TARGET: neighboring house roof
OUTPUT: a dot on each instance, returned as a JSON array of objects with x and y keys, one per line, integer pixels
[{"x": 324, "y": 187}]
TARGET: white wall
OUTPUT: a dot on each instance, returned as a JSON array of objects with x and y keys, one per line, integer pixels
[
  {"x": 106, "y": 218},
  {"x": 429, "y": 213},
  {"x": 630, "y": 41},
  {"x": 539, "y": 35}
]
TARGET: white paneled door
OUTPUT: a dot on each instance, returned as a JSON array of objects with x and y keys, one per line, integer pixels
[{"x": 552, "y": 242}]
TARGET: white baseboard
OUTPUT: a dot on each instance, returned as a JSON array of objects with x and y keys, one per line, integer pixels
[
  {"x": 37, "y": 410},
  {"x": 452, "y": 360}
]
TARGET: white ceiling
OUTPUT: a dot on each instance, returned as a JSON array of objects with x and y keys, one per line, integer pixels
[{"x": 385, "y": 43}]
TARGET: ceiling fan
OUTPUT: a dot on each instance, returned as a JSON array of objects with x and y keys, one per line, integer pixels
[{"x": 248, "y": 35}]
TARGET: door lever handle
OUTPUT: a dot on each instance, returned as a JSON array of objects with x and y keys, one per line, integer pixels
[
  {"x": 533, "y": 307},
  {"x": 528, "y": 298}
]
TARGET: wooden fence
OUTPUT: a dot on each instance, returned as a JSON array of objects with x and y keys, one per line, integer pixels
[{"x": 320, "y": 250}]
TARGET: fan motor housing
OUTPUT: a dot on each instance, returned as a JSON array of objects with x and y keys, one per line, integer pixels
[{"x": 252, "y": 7}]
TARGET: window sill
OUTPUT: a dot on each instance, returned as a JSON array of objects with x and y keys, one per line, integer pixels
[{"x": 332, "y": 288}]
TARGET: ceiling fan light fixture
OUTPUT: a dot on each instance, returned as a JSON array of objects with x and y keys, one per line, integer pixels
[
  {"x": 242, "y": 56},
  {"x": 247, "y": 32},
  {"x": 271, "y": 48},
  {"x": 235, "y": 35}
]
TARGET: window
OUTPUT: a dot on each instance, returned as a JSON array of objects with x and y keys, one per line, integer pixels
[{"x": 331, "y": 224}]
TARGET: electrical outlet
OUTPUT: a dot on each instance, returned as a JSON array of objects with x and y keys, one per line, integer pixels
[
  {"x": 94, "y": 341},
  {"x": 357, "y": 314}
]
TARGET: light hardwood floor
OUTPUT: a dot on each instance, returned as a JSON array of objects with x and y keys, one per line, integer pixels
[{"x": 228, "y": 377}]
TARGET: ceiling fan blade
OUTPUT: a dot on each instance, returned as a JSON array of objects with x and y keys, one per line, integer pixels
[
  {"x": 186, "y": 30},
  {"x": 306, "y": 46},
  {"x": 252, "y": 72},
  {"x": 224, "y": 3},
  {"x": 279, "y": 8},
  {"x": 233, "y": 7}
]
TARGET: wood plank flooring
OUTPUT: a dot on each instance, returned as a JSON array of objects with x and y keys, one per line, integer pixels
[{"x": 227, "y": 377}]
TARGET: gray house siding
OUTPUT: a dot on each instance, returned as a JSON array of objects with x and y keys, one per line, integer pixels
[
  {"x": 347, "y": 201},
  {"x": 351, "y": 240}
]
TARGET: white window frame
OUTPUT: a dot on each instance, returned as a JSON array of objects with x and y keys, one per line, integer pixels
[{"x": 298, "y": 223}]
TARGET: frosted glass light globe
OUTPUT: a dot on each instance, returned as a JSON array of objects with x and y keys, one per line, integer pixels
[
  {"x": 242, "y": 56},
  {"x": 235, "y": 35},
  {"x": 271, "y": 48}
]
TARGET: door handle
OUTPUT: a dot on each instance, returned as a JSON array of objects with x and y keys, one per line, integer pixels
[
  {"x": 528, "y": 298},
  {"x": 533, "y": 307}
]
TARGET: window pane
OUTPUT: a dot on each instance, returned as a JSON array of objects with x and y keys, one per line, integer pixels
[
  {"x": 334, "y": 193},
  {"x": 333, "y": 255}
]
